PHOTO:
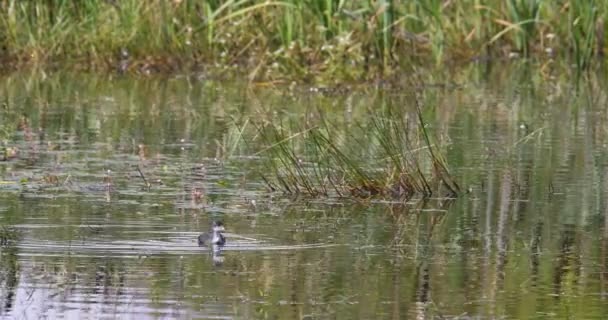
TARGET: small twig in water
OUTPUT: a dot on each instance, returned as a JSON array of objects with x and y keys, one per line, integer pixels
[{"x": 143, "y": 177}]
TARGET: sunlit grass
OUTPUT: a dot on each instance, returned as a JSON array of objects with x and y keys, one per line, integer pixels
[
  {"x": 391, "y": 156},
  {"x": 351, "y": 39}
]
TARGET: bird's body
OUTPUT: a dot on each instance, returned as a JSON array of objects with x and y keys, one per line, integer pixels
[{"x": 215, "y": 237}]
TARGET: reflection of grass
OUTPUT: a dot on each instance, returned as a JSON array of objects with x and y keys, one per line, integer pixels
[
  {"x": 387, "y": 159},
  {"x": 8, "y": 235}
]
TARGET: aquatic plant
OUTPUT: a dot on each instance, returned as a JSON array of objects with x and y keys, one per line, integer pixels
[
  {"x": 584, "y": 27},
  {"x": 523, "y": 16},
  {"x": 387, "y": 157}
]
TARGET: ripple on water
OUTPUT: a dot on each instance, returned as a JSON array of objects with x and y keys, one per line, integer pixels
[{"x": 183, "y": 243}]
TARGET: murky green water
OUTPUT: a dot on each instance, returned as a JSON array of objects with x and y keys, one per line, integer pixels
[{"x": 85, "y": 236}]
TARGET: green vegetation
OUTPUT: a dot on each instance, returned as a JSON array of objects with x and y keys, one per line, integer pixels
[
  {"x": 390, "y": 155},
  {"x": 386, "y": 152},
  {"x": 301, "y": 39}
]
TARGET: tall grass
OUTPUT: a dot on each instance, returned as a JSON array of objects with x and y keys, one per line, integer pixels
[
  {"x": 352, "y": 39},
  {"x": 582, "y": 20},
  {"x": 390, "y": 156},
  {"x": 524, "y": 17}
]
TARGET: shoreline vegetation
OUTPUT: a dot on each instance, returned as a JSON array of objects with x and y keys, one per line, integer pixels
[{"x": 305, "y": 40}]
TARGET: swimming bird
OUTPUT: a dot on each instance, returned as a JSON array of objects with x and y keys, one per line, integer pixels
[{"x": 214, "y": 237}]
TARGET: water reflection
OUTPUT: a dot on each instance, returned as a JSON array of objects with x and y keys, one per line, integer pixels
[
  {"x": 9, "y": 269},
  {"x": 216, "y": 255},
  {"x": 109, "y": 182}
]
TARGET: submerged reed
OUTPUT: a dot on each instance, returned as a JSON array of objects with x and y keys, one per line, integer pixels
[{"x": 301, "y": 38}]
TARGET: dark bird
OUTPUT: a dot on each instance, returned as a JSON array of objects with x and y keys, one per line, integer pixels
[{"x": 214, "y": 237}]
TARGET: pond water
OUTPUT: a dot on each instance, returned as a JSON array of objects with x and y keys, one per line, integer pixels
[{"x": 108, "y": 181}]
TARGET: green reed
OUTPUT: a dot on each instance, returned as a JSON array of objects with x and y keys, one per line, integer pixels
[
  {"x": 524, "y": 16},
  {"x": 351, "y": 39},
  {"x": 582, "y": 20},
  {"x": 390, "y": 155}
]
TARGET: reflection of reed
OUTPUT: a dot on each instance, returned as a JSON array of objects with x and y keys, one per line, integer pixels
[
  {"x": 423, "y": 290},
  {"x": 109, "y": 277},
  {"x": 501, "y": 232},
  {"x": 427, "y": 222},
  {"x": 425, "y": 216},
  {"x": 604, "y": 243},
  {"x": 487, "y": 238},
  {"x": 193, "y": 193},
  {"x": 565, "y": 258},
  {"x": 535, "y": 251},
  {"x": 9, "y": 268},
  {"x": 397, "y": 287}
]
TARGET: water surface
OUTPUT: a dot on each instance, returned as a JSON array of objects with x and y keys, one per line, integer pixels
[{"x": 86, "y": 236}]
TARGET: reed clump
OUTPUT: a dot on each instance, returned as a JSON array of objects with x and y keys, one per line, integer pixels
[
  {"x": 308, "y": 39},
  {"x": 389, "y": 156}
]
